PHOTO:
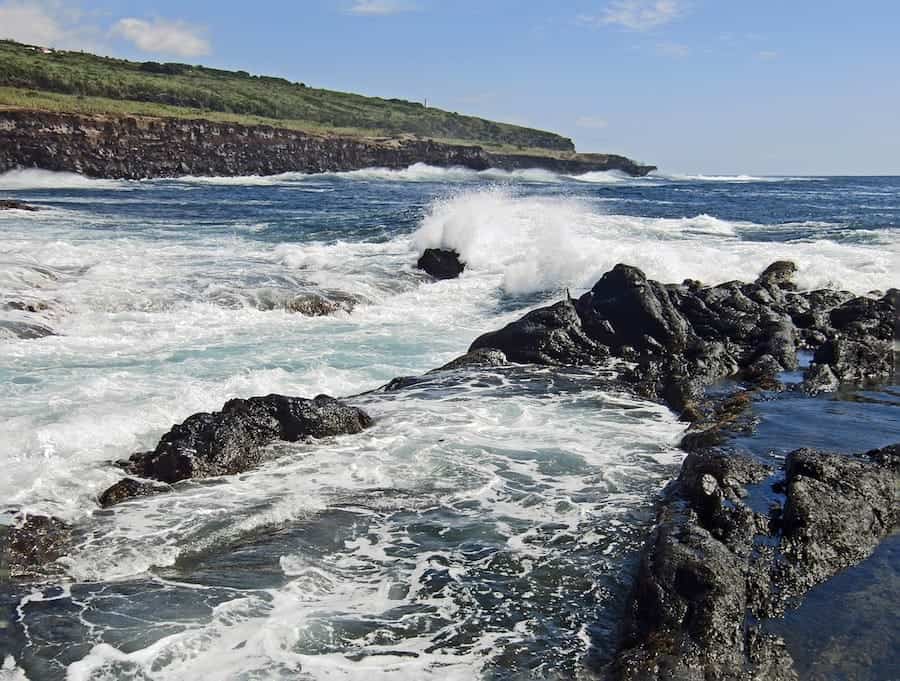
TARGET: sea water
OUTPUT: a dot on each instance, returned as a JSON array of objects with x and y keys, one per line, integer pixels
[{"x": 484, "y": 527}]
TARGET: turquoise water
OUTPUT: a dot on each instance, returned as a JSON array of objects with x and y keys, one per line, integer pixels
[{"x": 483, "y": 528}]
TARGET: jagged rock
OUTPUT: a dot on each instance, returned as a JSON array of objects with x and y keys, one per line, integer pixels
[
  {"x": 232, "y": 440},
  {"x": 30, "y": 544},
  {"x": 704, "y": 569},
  {"x": 626, "y": 309},
  {"x": 857, "y": 360},
  {"x": 7, "y": 204},
  {"x": 483, "y": 357},
  {"x": 838, "y": 509},
  {"x": 681, "y": 337},
  {"x": 819, "y": 378},
  {"x": 780, "y": 274},
  {"x": 441, "y": 263},
  {"x": 764, "y": 372},
  {"x": 548, "y": 335},
  {"x": 129, "y": 488}
]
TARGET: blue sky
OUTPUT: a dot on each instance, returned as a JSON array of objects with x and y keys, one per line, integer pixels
[{"x": 697, "y": 86}]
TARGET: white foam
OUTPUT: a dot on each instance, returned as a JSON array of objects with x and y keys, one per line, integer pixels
[
  {"x": 32, "y": 178},
  {"x": 422, "y": 448},
  {"x": 545, "y": 244},
  {"x": 10, "y": 671},
  {"x": 603, "y": 177}
]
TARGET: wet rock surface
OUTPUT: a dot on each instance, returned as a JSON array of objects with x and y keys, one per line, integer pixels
[
  {"x": 232, "y": 440},
  {"x": 315, "y": 305},
  {"x": 441, "y": 263},
  {"x": 679, "y": 338},
  {"x": 548, "y": 335},
  {"x": 713, "y": 566},
  {"x": 129, "y": 488},
  {"x": 30, "y": 544},
  {"x": 8, "y": 204},
  {"x": 24, "y": 330}
]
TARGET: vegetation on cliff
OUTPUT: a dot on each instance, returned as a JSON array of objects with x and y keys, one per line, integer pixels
[{"x": 86, "y": 83}]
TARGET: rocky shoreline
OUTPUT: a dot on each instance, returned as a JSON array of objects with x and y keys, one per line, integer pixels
[
  {"x": 135, "y": 147},
  {"x": 716, "y": 563}
]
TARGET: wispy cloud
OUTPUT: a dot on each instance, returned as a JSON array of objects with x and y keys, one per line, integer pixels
[
  {"x": 673, "y": 50},
  {"x": 592, "y": 122},
  {"x": 161, "y": 36},
  {"x": 50, "y": 24},
  {"x": 380, "y": 7},
  {"x": 768, "y": 55},
  {"x": 637, "y": 15}
]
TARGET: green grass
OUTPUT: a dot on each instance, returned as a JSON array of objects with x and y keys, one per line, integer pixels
[{"x": 85, "y": 83}]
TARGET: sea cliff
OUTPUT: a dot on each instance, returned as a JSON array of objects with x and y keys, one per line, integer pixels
[{"x": 135, "y": 147}]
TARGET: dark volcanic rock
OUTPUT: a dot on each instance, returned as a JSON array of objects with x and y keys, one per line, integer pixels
[
  {"x": 232, "y": 440},
  {"x": 129, "y": 488},
  {"x": 682, "y": 337},
  {"x": 135, "y": 147},
  {"x": 315, "y": 305},
  {"x": 819, "y": 378},
  {"x": 625, "y": 309},
  {"x": 548, "y": 335},
  {"x": 709, "y": 563},
  {"x": 30, "y": 544},
  {"x": 441, "y": 264},
  {"x": 780, "y": 273},
  {"x": 6, "y": 204},
  {"x": 838, "y": 509},
  {"x": 484, "y": 357}
]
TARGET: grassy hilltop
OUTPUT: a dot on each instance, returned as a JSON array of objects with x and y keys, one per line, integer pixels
[{"x": 85, "y": 83}]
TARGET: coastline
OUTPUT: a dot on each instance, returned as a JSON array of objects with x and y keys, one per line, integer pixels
[{"x": 139, "y": 147}]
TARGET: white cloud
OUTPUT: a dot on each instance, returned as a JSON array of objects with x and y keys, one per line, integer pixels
[
  {"x": 768, "y": 55},
  {"x": 49, "y": 24},
  {"x": 638, "y": 15},
  {"x": 379, "y": 7},
  {"x": 674, "y": 50},
  {"x": 592, "y": 122},
  {"x": 162, "y": 36}
]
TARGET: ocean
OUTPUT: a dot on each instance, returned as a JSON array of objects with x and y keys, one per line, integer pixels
[{"x": 486, "y": 526}]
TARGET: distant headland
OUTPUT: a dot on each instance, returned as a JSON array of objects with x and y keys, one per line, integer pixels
[{"x": 105, "y": 117}]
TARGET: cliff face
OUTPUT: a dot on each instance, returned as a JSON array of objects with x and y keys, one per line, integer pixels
[{"x": 135, "y": 147}]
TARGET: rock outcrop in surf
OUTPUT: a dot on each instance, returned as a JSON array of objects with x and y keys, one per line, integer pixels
[
  {"x": 441, "y": 263},
  {"x": 9, "y": 204},
  {"x": 681, "y": 337},
  {"x": 233, "y": 440}
]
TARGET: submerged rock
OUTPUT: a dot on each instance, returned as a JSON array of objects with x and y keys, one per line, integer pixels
[
  {"x": 33, "y": 306},
  {"x": 7, "y": 204},
  {"x": 24, "y": 330},
  {"x": 232, "y": 440},
  {"x": 441, "y": 263},
  {"x": 30, "y": 544},
  {"x": 315, "y": 305}
]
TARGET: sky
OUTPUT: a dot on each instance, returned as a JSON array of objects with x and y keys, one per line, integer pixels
[{"x": 694, "y": 86}]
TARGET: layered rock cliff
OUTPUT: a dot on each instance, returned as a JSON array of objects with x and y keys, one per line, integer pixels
[{"x": 132, "y": 147}]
